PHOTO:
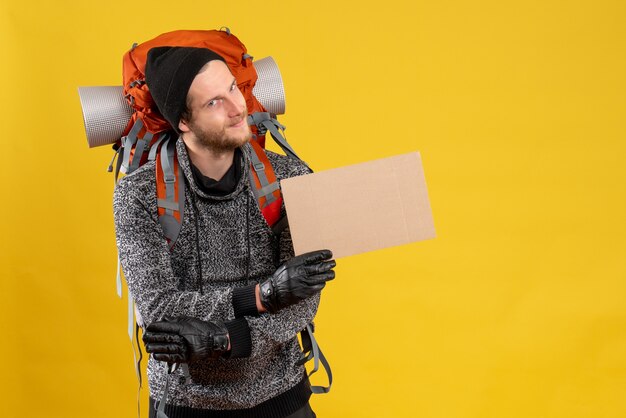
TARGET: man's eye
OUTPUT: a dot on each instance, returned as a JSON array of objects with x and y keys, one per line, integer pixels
[
  {"x": 233, "y": 87},
  {"x": 212, "y": 103}
]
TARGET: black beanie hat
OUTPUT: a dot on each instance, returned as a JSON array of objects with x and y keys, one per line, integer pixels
[{"x": 169, "y": 74}]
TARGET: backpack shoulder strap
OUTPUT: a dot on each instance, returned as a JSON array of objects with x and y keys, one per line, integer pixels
[
  {"x": 265, "y": 185},
  {"x": 170, "y": 191}
]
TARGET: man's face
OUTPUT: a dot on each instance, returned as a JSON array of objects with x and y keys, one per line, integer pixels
[{"x": 218, "y": 110}]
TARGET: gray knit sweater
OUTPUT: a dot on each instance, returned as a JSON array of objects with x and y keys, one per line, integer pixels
[{"x": 237, "y": 249}]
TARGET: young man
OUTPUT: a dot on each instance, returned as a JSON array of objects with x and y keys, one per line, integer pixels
[{"x": 228, "y": 298}]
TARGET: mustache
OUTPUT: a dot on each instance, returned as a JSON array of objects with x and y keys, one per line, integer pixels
[{"x": 239, "y": 118}]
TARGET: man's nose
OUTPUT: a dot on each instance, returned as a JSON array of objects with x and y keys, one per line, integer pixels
[{"x": 235, "y": 106}]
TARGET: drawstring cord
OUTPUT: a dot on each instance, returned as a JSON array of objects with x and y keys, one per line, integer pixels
[
  {"x": 195, "y": 217},
  {"x": 248, "y": 233}
]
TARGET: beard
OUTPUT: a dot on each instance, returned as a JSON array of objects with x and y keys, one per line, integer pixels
[{"x": 220, "y": 142}]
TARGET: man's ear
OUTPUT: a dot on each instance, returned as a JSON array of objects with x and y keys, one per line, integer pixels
[{"x": 182, "y": 126}]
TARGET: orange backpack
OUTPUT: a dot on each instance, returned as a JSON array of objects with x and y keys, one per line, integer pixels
[{"x": 149, "y": 136}]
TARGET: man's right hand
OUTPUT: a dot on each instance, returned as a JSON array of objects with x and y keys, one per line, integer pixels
[
  {"x": 299, "y": 278},
  {"x": 185, "y": 339}
]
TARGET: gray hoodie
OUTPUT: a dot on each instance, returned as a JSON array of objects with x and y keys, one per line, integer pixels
[{"x": 262, "y": 376}]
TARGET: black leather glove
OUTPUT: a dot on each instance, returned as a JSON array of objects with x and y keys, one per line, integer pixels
[
  {"x": 185, "y": 339},
  {"x": 297, "y": 279}
]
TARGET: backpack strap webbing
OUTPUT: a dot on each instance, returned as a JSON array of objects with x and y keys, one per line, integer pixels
[
  {"x": 128, "y": 142},
  {"x": 140, "y": 148},
  {"x": 265, "y": 185},
  {"x": 265, "y": 121},
  {"x": 155, "y": 147},
  {"x": 138, "y": 367},
  {"x": 311, "y": 350},
  {"x": 118, "y": 277},
  {"x": 170, "y": 191}
]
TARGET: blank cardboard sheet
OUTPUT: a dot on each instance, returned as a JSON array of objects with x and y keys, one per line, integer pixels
[{"x": 359, "y": 208}]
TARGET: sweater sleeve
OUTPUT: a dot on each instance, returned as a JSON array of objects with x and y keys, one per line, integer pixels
[
  {"x": 269, "y": 330},
  {"x": 146, "y": 263}
]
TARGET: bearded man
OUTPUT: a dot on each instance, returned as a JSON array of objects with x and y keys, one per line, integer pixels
[{"x": 229, "y": 298}]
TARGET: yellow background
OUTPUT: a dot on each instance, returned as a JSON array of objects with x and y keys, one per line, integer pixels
[{"x": 517, "y": 309}]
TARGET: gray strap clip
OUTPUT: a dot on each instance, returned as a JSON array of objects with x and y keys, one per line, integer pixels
[{"x": 258, "y": 166}]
